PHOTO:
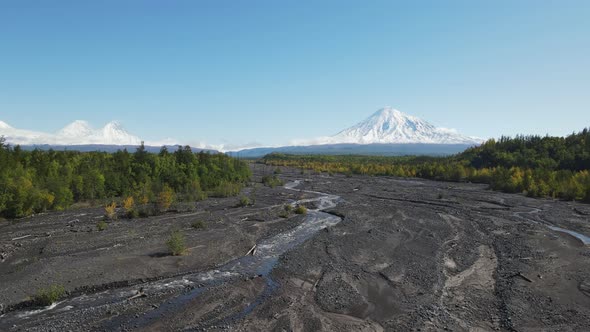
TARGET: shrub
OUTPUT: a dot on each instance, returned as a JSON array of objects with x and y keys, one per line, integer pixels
[
  {"x": 227, "y": 189},
  {"x": 144, "y": 199},
  {"x": 132, "y": 214},
  {"x": 49, "y": 295},
  {"x": 272, "y": 181},
  {"x": 165, "y": 198},
  {"x": 199, "y": 224},
  {"x": 284, "y": 214},
  {"x": 288, "y": 208},
  {"x": 301, "y": 209},
  {"x": 277, "y": 171},
  {"x": 175, "y": 243},
  {"x": 110, "y": 211},
  {"x": 252, "y": 196},
  {"x": 244, "y": 201},
  {"x": 129, "y": 206},
  {"x": 101, "y": 226}
]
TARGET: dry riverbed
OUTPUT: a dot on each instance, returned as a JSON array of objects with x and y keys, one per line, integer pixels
[{"x": 394, "y": 255}]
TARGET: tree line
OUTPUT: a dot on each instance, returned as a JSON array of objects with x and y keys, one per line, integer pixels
[
  {"x": 537, "y": 166},
  {"x": 36, "y": 181}
]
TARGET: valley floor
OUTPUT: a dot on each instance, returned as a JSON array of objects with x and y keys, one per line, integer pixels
[{"x": 407, "y": 255}]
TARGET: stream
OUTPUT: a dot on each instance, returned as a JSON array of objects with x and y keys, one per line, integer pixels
[
  {"x": 260, "y": 263},
  {"x": 583, "y": 238}
]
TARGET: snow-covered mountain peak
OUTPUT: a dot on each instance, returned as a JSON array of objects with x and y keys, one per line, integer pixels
[
  {"x": 389, "y": 125},
  {"x": 114, "y": 133},
  {"x": 114, "y": 125},
  {"x": 78, "y": 132},
  {"x": 78, "y": 128},
  {"x": 4, "y": 125}
]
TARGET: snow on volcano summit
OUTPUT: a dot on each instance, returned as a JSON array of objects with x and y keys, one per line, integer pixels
[
  {"x": 76, "y": 133},
  {"x": 389, "y": 125}
]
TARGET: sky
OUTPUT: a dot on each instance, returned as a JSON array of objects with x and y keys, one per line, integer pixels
[{"x": 237, "y": 72}]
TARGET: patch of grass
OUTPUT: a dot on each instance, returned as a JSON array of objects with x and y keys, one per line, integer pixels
[
  {"x": 49, "y": 295},
  {"x": 301, "y": 209},
  {"x": 176, "y": 243},
  {"x": 199, "y": 224},
  {"x": 101, "y": 226}
]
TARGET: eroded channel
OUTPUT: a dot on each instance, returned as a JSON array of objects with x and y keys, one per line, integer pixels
[{"x": 259, "y": 262}]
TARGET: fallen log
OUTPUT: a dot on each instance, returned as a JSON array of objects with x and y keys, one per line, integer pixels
[
  {"x": 21, "y": 237},
  {"x": 252, "y": 251}
]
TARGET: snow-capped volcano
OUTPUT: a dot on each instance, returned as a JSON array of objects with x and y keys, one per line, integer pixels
[
  {"x": 4, "y": 125},
  {"x": 78, "y": 128},
  {"x": 389, "y": 125},
  {"x": 76, "y": 133},
  {"x": 114, "y": 133}
]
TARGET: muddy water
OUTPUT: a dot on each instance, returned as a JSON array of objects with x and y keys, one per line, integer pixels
[{"x": 260, "y": 263}]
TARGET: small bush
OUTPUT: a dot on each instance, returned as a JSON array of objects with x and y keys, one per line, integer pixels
[
  {"x": 110, "y": 211},
  {"x": 301, "y": 210},
  {"x": 288, "y": 208},
  {"x": 144, "y": 199},
  {"x": 132, "y": 214},
  {"x": 49, "y": 295},
  {"x": 128, "y": 203},
  {"x": 277, "y": 171},
  {"x": 199, "y": 224},
  {"x": 227, "y": 189},
  {"x": 165, "y": 198},
  {"x": 175, "y": 243},
  {"x": 129, "y": 206},
  {"x": 244, "y": 201},
  {"x": 284, "y": 214},
  {"x": 101, "y": 226},
  {"x": 272, "y": 181}
]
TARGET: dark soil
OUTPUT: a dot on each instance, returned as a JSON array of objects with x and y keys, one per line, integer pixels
[{"x": 408, "y": 255}]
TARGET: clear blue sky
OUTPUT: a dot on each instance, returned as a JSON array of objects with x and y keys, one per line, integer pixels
[{"x": 272, "y": 71}]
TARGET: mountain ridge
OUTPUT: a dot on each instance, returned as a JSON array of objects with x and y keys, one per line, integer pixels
[{"x": 78, "y": 132}]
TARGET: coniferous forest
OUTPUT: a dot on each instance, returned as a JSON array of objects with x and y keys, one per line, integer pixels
[
  {"x": 537, "y": 166},
  {"x": 36, "y": 181}
]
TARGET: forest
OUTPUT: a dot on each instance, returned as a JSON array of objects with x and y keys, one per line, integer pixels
[
  {"x": 537, "y": 166},
  {"x": 37, "y": 181}
]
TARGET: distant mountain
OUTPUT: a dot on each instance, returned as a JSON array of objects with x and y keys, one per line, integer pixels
[
  {"x": 106, "y": 148},
  {"x": 360, "y": 149},
  {"x": 76, "y": 133},
  {"x": 390, "y": 126},
  {"x": 386, "y": 132}
]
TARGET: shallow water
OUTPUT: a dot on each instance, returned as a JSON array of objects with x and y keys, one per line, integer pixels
[
  {"x": 261, "y": 263},
  {"x": 584, "y": 238}
]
